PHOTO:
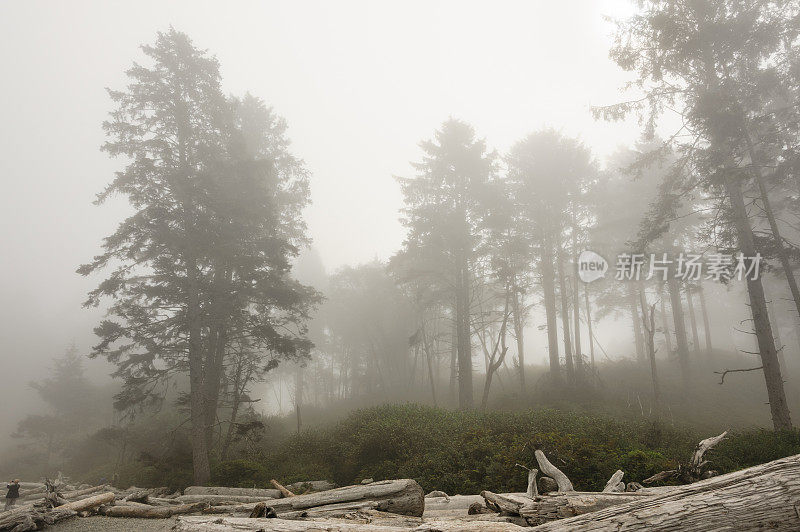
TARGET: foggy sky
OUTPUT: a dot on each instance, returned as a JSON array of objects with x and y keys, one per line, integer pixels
[{"x": 360, "y": 84}]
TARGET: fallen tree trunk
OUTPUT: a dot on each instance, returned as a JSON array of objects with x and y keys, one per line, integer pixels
[
  {"x": 403, "y": 497},
  {"x": 217, "y": 500},
  {"x": 757, "y": 498},
  {"x": 553, "y": 472},
  {"x": 232, "y": 524},
  {"x": 154, "y": 512},
  {"x": 77, "y": 494},
  {"x": 313, "y": 485},
  {"x": 285, "y": 492},
  {"x": 263, "y": 493},
  {"x": 89, "y": 503}
]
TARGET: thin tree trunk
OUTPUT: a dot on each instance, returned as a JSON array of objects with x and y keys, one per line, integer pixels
[
  {"x": 704, "y": 311},
  {"x": 562, "y": 281},
  {"x": 779, "y": 409},
  {"x": 453, "y": 361},
  {"x": 636, "y": 320},
  {"x": 589, "y": 323},
  {"x": 692, "y": 317},
  {"x": 649, "y": 325},
  {"x": 664, "y": 320},
  {"x": 197, "y": 400},
  {"x": 777, "y": 335},
  {"x": 428, "y": 356},
  {"x": 465, "y": 400},
  {"x": 680, "y": 327},
  {"x": 548, "y": 287},
  {"x": 518, "y": 333},
  {"x": 576, "y": 312}
]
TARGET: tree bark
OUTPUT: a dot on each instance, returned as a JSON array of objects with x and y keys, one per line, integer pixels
[
  {"x": 562, "y": 281},
  {"x": 680, "y": 328},
  {"x": 633, "y": 306},
  {"x": 692, "y": 317},
  {"x": 779, "y": 409},
  {"x": 519, "y": 326},
  {"x": 706, "y": 325},
  {"x": 589, "y": 323},
  {"x": 464, "y": 337},
  {"x": 263, "y": 493},
  {"x": 153, "y": 512},
  {"x": 664, "y": 320},
  {"x": 548, "y": 287}
]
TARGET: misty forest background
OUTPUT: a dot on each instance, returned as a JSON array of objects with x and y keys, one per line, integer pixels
[{"x": 238, "y": 358}]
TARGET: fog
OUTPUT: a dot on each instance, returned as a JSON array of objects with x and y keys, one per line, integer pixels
[{"x": 360, "y": 85}]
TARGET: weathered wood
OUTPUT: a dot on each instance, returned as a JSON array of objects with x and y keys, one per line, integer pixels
[
  {"x": 22, "y": 518},
  {"x": 403, "y": 497},
  {"x": 219, "y": 500},
  {"x": 79, "y": 494},
  {"x": 154, "y": 512},
  {"x": 761, "y": 497},
  {"x": 233, "y": 524},
  {"x": 505, "y": 502},
  {"x": 613, "y": 482},
  {"x": 532, "y": 492},
  {"x": 552, "y": 471},
  {"x": 562, "y": 505},
  {"x": 313, "y": 485},
  {"x": 263, "y": 493},
  {"x": 90, "y": 503},
  {"x": 281, "y": 488}
]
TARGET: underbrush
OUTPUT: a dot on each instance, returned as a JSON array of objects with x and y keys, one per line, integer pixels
[{"x": 466, "y": 452}]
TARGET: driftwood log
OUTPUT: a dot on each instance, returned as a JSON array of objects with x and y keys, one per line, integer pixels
[
  {"x": 285, "y": 492},
  {"x": 761, "y": 497},
  {"x": 263, "y": 493},
  {"x": 218, "y": 500},
  {"x": 154, "y": 512},
  {"x": 312, "y": 485},
  {"x": 233, "y": 524},
  {"x": 404, "y": 497}
]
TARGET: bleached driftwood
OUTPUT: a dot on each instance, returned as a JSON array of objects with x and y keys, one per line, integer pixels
[
  {"x": 694, "y": 470},
  {"x": 217, "y": 500},
  {"x": 761, "y": 497},
  {"x": 31, "y": 517},
  {"x": 154, "y": 512},
  {"x": 313, "y": 485},
  {"x": 233, "y": 524},
  {"x": 263, "y": 493},
  {"x": 403, "y": 497},
  {"x": 285, "y": 492},
  {"x": 553, "y": 472},
  {"x": 613, "y": 483}
]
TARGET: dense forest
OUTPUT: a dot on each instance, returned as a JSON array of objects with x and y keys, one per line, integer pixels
[{"x": 237, "y": 357}]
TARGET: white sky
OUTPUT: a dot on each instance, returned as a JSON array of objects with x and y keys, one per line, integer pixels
[{"x": 360, "y": 84}]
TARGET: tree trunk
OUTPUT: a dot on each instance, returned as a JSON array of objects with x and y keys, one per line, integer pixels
[
  {"x": 548, "y": 287},
  {"x": 692, "y": 318},
  {"x": 680, "y": 328},
  {"x": 453, "y": 360},
  {"x": 664, "y": 320},
  {"x": 589, "y": 323},
  {"x": 464, "y": 347},
  {"x": 429, "y": 357},
  {"x": 704, "y": 311},
  {"x": 519, "y": 325},
  {"x": 633, "y": 306},
  {"x": 649, "y": 325},
  {"x": 758, "y": 498},
  {"x": 562, "y": 281},
  {"x": 777, "y": 335},
  {"x": 576, "y": 315},
  {"x": 197, "y": 389},
  {"x": 758, "y": 306}
]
